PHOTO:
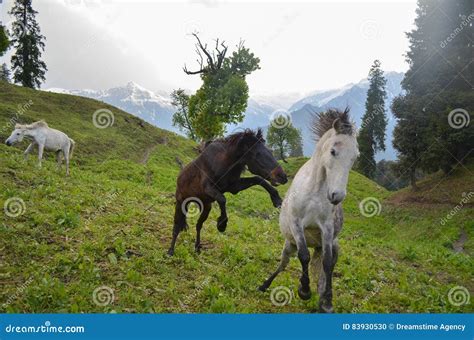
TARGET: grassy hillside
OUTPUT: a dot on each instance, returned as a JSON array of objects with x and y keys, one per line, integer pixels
[{"x": 109, "y": 224}]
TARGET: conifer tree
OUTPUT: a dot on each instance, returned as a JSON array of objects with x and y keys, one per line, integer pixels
[
  {"x": 372, "y": 132},
  {"x": 28, "y": 68}
]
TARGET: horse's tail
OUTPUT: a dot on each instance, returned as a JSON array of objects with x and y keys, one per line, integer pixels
[
  {"x": 180, "y": 217},
  {"x": 71, "y": 147},
  {"x": 316, "y": 264}
]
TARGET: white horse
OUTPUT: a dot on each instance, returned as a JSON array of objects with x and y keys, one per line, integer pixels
[
  {"x": 46, "y": 138},
  {"x": 311, "y": 214}
]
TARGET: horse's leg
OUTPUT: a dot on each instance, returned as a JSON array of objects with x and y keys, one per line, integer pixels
[
  {"x": 58, "y": 158},
  {"x": 204, "y": 215},
  {"x": 330, "y": 253},
  {"x": 288, "y": 250},
  {"x": 179, "y": 225},
  {"x": 247, "y": 182},
  {"x": 304, "y": 291},
  {"x": 66, "y": 159},
  {"x": 29, "y": 149},
  {"x": 40, "y": 154},
  {"x": 220, "y": 198}
]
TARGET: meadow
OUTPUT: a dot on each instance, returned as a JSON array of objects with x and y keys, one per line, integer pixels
[{"x": 96, "y": 241}]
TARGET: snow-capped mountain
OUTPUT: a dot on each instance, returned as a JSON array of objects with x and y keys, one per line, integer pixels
[
  {"x": 156, "y": 108},
  {"x": 352, "y": 95},
  {"x": 152, "y": 107}
]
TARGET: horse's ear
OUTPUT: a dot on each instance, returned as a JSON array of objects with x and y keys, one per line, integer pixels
[
  {"x": 341, "y": 127},
  {"x": 337, "y": 125},
  {"x": 242, "y": 142},
  {"x": 259, "y": 134}
]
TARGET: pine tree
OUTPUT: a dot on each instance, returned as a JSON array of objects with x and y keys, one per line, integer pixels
[
  {"x": 4, "y": 73},
  {"x": 437, "y": 84},
  {"x": 372, "y": 132},
  {"x": 28, "y": 68}
]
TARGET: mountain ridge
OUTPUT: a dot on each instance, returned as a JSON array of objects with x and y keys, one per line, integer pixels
[{"x": 156, "y": 108}]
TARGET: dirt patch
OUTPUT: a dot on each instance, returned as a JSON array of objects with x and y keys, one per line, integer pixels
[
  {"x": 458, "y": 246},
  {"x": 147, "y": 153}
]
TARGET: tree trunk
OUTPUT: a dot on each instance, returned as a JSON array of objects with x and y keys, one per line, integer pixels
[
  {"x": 282, "y": 155},
  {"x": 413, "y": 180}
]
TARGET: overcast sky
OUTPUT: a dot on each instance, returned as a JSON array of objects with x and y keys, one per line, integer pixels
[{"x": 303, "y": 46}]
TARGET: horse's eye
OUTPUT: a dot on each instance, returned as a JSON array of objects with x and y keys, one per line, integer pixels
[
  {"x": 333, "y": 152},
  {"x": 17, "y": 133}
]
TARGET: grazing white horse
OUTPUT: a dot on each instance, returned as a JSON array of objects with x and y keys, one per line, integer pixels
[
  {"x": 46, "y": 138},
  {"x": 311, "y": 214}
]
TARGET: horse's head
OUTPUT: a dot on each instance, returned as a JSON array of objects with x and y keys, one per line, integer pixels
[
  {"x": 259, "y": 159},
  {"x": 17, "y": 135},
  {"x": 338, "y": 152}
]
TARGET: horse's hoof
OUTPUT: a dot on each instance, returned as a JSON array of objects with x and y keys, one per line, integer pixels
[
  {"x": 222, "y": 224},
  {"x": 304, "y": 295},
  {"x": 262, "y": 288},
  {"x": 277, "y": 201},
  {"x": 170, "y": 252},
  {"x": 197, "y": 249},
  {"x": 326, "y": 309}
]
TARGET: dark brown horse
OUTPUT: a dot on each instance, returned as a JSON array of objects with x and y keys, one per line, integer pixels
[{"x": 217, "y": 170}]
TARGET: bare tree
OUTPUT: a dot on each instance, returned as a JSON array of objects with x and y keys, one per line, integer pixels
[{"x": 214, "y": 59}]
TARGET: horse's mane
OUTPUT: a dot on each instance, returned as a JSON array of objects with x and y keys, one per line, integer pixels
[
  {"x": 34, "y": 125},
  {"x": 324, "y": 121},
  {"x": 233, "y": 140}
]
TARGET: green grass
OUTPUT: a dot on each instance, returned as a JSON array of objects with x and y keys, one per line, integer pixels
[{"x": 109, "y": 224}]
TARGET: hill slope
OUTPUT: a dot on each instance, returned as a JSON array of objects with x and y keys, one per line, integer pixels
[{"x": 107, "y": 227}]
